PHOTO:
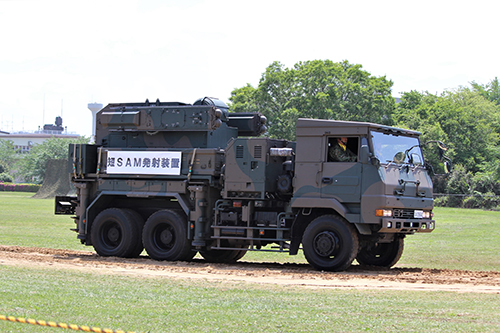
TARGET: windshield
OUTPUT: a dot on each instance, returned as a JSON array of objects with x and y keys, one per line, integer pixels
[{"x": 397, "y": 149}]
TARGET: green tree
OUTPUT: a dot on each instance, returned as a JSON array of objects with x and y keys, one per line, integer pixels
[
  {"x": 490, "y": 91},
  {"x": 32, "y": 166},
  {"x": 315, "y": 89},
  {"x": 488, "y": 179},
  {"x": 243, "y": 99},
  {"x": 7, "y": 155},
  {"x": 463, "y": 119}
]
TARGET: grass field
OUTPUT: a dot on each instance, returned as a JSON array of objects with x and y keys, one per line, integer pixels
[
  {"x": 464, "y": 239},
  {"x": 163, "y": 305}
]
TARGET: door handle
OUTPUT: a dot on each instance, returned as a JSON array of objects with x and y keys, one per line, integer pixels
[{"x": 327, "y": 180}]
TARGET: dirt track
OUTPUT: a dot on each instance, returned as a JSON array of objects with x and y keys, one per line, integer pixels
[{"x": 268, "y": 273}]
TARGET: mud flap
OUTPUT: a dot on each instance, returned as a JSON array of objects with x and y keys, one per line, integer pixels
[{"x": 363, "y": 229}]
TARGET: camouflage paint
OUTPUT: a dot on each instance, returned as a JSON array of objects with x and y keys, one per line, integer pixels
[{"x": 239, "y": 192}]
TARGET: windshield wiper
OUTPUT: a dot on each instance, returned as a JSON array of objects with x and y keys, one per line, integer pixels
[
  {"x": 390, "y": 162},
  {"x": 407, "y": 153}
]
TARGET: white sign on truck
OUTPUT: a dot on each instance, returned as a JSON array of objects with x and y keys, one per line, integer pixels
[{"x": 144, "y": 162}]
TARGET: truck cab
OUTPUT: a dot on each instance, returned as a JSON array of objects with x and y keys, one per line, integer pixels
[{"x": 368, "y": 175}]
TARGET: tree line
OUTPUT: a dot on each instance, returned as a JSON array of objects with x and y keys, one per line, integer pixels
[
  {"x": 31, "y": 167},
  {"x": 466, "y": 119}
]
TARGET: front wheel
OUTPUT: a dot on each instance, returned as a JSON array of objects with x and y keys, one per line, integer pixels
[
  {"x": 330, "y": 243},
  {"x": 224, "y": 256},
  {"x": 165, "y": 237},
  {"x": 381, "y": 254}
]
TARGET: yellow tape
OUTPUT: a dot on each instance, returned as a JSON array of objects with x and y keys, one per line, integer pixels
[{"x": 60, "y": 325}]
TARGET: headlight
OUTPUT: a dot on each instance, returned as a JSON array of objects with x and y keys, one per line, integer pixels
[
  {"x": 383, "y": 212},
  {"x": 426, "y": 215}
]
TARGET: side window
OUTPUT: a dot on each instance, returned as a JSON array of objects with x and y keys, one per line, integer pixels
[{"x": 343, "y": 149}]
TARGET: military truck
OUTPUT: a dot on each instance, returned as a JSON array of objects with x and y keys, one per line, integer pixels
[{"x": 178, "y": 179}]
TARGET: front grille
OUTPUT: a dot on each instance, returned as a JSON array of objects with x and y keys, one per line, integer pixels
[{"x": 403, "y": 213}]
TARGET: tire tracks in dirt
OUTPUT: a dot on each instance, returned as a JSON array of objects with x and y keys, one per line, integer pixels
[{"x": 289, "y": 274}]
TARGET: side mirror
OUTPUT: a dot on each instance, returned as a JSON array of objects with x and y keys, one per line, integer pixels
[
  {"x": 364, "y": 154},
  {"x": 440, "y": 152},
  {"x": 415, "y": 159},
  {"x": 447, "y": 167}
]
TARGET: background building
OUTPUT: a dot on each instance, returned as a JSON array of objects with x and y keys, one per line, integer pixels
[{"x": 25, "y": 140}]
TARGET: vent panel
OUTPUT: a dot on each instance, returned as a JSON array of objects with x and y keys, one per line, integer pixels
[
  {"x": 239, "y": 151},
  {"x": 257, "y": 152}
]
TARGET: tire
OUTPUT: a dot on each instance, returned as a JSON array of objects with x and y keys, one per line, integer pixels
[
  {"x": 330, "y": 243},
  {"x": 114, "y": 233},
  {"x": 381, "y": 254},
  {"x": 165, "y": 237},
  {"x": 139, "y": 223},
  {"x": 240, "y": 255},
  {"x": 223, "y": 256}
]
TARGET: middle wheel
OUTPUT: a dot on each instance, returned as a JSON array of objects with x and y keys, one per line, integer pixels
[{"x": 165, "y": 237}]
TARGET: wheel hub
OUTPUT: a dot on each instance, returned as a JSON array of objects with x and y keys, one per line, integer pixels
[
  {"x": 166, "y": 236},
  {"x": 113, "y": 234},
  {"x": 326, "y": 243}
]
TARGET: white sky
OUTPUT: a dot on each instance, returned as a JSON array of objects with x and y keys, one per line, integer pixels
[{"x": 71, "y": 53}]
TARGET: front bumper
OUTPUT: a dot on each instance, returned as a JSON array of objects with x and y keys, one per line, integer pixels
[{"x": 406, "y": 226}]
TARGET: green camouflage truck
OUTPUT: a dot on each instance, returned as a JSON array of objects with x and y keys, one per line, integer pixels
[{"x": 178, "y": 179}]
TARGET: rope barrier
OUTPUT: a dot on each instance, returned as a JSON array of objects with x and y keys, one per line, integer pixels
[{"x": 60, "y": 325}]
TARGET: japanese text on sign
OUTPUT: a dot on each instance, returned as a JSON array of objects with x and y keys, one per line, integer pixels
[{"x": 144, "y": 162}]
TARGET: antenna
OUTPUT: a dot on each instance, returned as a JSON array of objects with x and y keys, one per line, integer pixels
[{"x": 43, "y": 114}]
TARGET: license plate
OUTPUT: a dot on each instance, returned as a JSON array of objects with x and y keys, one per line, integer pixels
[{"x": 418, "y": 214}]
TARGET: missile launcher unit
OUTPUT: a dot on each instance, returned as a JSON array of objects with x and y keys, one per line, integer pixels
[{"x": 178, "y": 179}]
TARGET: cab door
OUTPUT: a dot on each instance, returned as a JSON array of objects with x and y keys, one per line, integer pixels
[{"x": 341, "y": 175}]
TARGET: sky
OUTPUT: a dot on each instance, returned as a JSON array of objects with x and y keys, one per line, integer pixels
[{"x": 58, "y": 56}]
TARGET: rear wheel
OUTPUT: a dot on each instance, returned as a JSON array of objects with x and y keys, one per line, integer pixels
[
  {"x": 165, "y": 237},
  {"x": 330, "y": 243},
  {"x": 381, "y": 254},
  {"x": 114, "y": 233},
  {"x": 139, "y": 224}
]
